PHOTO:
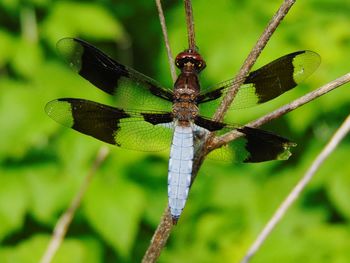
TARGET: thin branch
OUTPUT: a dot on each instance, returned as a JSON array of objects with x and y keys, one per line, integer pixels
[
  {"x": 226, "y": 138},
  {"x": 163, "y": 230},
  {"x": 63, "y": 223},
  {"x": 190, "y": 25},
  {"x": 294, "y": 194},
  {"x": 159, "y": 238},
  {"x": 252, "y": 57},
  {"x": 166, "y": 40},
  {"x": 29, "y": 25}
]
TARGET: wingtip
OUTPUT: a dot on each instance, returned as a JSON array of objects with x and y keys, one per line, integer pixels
[{"x": 286, "y": 153}]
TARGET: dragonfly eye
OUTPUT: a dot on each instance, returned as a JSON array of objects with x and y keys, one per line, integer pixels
[
  {"x": 200, "y": 64},
  {"x": 180, "y": 63}
]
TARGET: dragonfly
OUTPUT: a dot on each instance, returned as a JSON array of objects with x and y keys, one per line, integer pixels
[{"x": 151, "y": 117}]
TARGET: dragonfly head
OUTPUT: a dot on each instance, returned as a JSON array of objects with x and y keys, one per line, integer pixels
[{"x": 190, "y": 59}]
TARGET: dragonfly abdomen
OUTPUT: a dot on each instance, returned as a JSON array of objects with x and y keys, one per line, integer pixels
[{"x": 180, "y": 169}]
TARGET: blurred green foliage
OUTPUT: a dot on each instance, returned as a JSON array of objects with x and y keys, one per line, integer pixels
[{"x": 43, "y": 164}]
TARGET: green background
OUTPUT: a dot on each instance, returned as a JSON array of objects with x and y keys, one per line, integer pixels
[{"x": 42, "y": 164}]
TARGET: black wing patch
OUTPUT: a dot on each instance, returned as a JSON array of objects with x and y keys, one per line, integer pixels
[
  {"x": 264, "y": 146},
  {"x": 158, "y": 118},
  {"x": 128, "y": 129},
  {"x": 209, "y": 124}
]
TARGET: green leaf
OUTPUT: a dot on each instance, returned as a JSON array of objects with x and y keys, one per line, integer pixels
[
  {"x": 27, "y": 58},
  {"x": 83, "y": 250},
  {"x": 71, "y": 251},
  {"x": 338, "y": 183},
  {"x": 7, "y": 44},
  {"x": 10, "y": 5},
  {"x": 64, "y": 21},
  {"x": 114, "y": 208},
  {"x": 50, "y": 190},
  {"x": 22, "y": 117},
  {"x": 13, "y": 201}
]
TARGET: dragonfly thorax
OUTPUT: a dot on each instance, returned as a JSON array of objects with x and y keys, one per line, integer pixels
[
  {"x": 186, "y": 92},
  {"x": 185, "y": 111}
]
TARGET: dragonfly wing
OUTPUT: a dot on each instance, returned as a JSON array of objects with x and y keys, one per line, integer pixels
[
  {"x": 254, "y": 146},
  {"x": 112, "y": 77},
  {"x": 136, "y": 130}
]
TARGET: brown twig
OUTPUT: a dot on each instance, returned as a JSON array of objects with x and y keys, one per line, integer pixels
[
  {"x": 294, "y": 194},
  {"x": 166, "y": 40},
  {"x": 226, "y": 138},
  {"x": 65, "y": 220},
  {"x": 190, "y": 25},
  {"x": 252, "y": 57},
  {"x": 159, "y": 238}
]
